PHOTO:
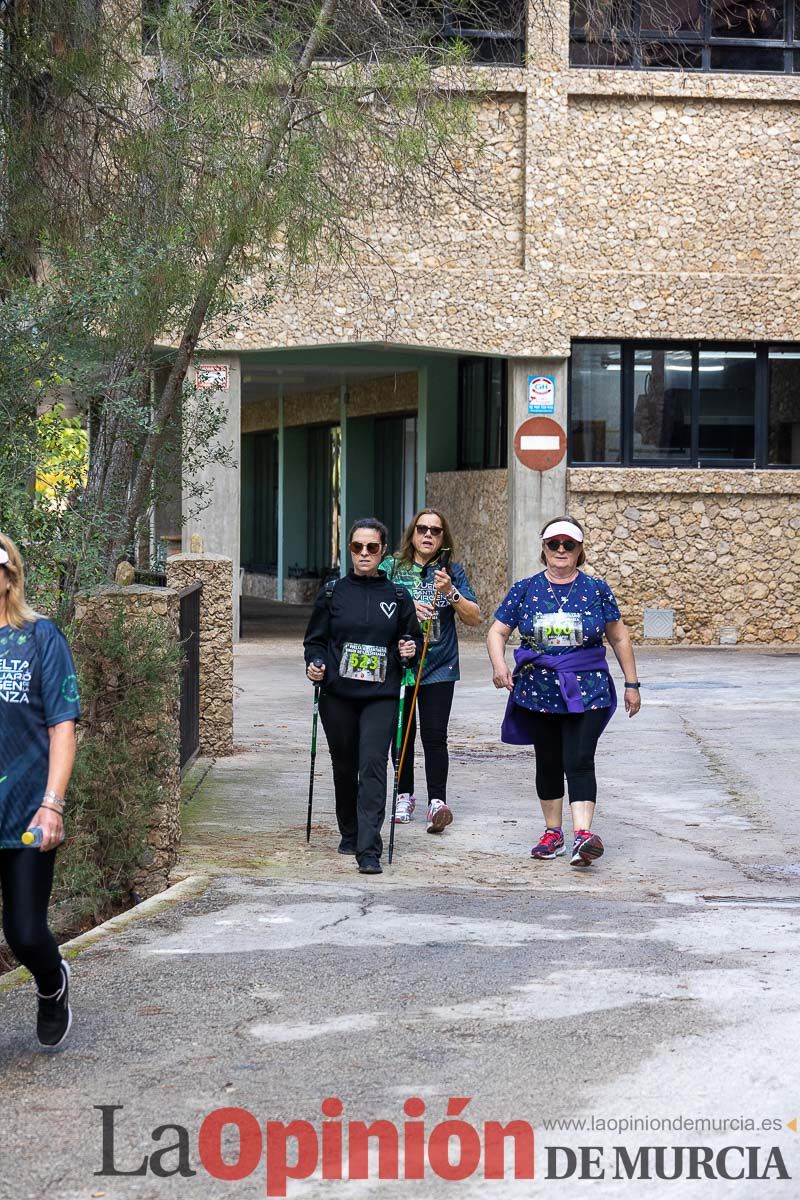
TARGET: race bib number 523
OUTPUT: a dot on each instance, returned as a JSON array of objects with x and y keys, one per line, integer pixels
[{"x": 367, "y": 663}]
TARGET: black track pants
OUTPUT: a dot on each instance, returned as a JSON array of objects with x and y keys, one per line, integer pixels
[
  {"x": 434, "y": 701},
  {"x": 359, "y": 733},
  {"x": 26, "y": 877},
  {"x": 565, "y": 744}
]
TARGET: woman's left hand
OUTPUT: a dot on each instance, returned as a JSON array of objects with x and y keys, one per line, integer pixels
[
  {"x": 52, "y": 827},
  {"x": 633, "y": 701},
  {"x": 407, "y": 648},
  {"x": 442, "y": 581}
]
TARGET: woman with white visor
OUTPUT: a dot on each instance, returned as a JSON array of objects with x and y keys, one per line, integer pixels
[{"x": 562, "y": 695}]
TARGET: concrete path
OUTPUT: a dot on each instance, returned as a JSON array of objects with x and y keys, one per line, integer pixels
[{"x": 660, "y": 985}]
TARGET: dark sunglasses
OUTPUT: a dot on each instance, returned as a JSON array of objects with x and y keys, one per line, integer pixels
[
  {"x": 365, "y": 547},
  {"x": 568, "y": 544},
  {"x": 433, "y": 530}
]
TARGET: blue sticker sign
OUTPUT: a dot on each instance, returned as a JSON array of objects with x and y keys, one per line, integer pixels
[{"x": 541, "y": 394}]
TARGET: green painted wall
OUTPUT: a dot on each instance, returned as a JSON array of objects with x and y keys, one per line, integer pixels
[
  {"x": 247, "y": 468},
  {"x": 295, "y": 507},
  {"x": 442, "y": 414},
  {"x": 360, "y": 468}
]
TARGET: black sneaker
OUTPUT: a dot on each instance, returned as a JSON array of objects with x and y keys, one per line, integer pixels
[
  {"x": 370, "y": 866},
  {"x": 55, "y": 1014},
  {"x": 346, "y": 847}
]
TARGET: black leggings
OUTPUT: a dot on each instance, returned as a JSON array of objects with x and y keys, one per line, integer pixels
[
  {"x": 359, "y": 733},
  {"x": 565, "y": 744},
  {"x": 26, "y": 876},
  {"x": 434, "y": 701}
]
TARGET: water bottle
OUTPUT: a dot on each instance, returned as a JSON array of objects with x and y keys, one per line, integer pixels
[{"x": 33, "y": 837}]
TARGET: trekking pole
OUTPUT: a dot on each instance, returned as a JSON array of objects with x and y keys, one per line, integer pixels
[
  {"x": 406, "y": 680},
  {"x": 314, "y": 719}
]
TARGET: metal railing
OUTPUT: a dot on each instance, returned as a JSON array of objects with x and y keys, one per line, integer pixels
[{"x": 189, "y": 634}]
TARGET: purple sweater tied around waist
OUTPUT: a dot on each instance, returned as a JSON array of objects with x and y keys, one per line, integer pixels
[{"x": 516, "y": 727}]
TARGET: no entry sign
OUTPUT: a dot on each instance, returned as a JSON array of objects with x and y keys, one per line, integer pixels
[{"x": 540, "y": 443}]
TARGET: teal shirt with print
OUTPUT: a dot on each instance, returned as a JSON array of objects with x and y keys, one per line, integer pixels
[
  {"x": 38, "y": 689},
  {"x": 441, "y": 661}
]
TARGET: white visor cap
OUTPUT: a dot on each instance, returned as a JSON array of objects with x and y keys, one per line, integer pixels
[
  {"x": 3, "y": 557},
  {"x": 563, "y": 527}
]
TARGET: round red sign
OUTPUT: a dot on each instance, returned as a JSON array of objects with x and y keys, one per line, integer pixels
[{"x": 540, "y": 443}]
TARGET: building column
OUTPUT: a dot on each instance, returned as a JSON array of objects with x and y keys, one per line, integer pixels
[
  {"x": 218, "y": 525},
  {"x": 533, "y": 496}
]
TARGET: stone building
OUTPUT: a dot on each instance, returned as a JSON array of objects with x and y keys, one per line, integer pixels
[{"x": 635, "y": 249}]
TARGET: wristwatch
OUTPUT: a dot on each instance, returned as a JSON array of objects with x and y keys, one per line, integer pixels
[{"x": 454, "y": 596}]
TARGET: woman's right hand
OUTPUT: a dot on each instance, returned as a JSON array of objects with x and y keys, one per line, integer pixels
[
  {"x": 314, "y": 673},
  {"x": 52, "y": 827},
  {"x": 502, "y": 677}
]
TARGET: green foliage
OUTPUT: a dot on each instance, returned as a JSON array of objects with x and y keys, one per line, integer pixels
[{"x": 129, "y": 674}]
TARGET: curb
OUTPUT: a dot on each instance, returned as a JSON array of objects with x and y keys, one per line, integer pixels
[{"x": 184, "y": 889}]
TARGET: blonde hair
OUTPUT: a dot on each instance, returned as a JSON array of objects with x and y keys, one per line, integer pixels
[{"x": 18, "y": 611}]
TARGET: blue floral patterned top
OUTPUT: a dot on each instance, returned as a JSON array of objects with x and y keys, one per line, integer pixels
[{"x": 537, "y": 688}]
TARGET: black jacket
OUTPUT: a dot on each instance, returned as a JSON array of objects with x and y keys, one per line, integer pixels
[{"x": 366, "y": 610}]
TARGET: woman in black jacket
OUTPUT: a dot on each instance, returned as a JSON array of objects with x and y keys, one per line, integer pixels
[{"x": 362, "y": 633}]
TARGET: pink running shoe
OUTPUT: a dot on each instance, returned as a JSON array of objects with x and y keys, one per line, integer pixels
[
  {"x": 586, "y": 848},
  {"x": 550, "y": 844}
]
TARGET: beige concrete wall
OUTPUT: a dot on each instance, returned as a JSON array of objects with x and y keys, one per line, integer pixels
[
  {"x": 475, "y": 504},
  {"x": 721, "y": 548}
]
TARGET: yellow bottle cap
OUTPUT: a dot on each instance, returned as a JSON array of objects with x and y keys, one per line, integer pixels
[{"x": 28, "y": 838}]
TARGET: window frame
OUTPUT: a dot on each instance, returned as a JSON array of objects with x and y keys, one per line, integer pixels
[
  {"x": 695, "y": 462},
  {"x": 704, "y": 39}
]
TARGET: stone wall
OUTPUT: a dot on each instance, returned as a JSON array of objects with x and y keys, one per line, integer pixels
[
  {"x": 214, "y": 571},
  {"x": 295, "y": 591},
  {"x": 475, "y": 504},
  {"x": 97, "y": 610},
  {"x": 590, "y": 203},
  {"x": 721, "y": 548},
  {"x": 379, "y": 394}
]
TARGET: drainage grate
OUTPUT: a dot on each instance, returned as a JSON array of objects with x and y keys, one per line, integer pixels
[
  {"x": 751, "y": 899},
  {"x": 659, "y": 622}
]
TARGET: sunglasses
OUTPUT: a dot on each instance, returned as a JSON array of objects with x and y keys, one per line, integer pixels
[
  {"x": 433, "y": 530},
  {"x": 365, "y": 547},
  {"x": 568, "y": 544}
]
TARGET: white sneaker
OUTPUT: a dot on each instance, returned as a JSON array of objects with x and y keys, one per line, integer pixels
[
  {"x": 406, "y": 804},
  {"x": 439, "y": 816}
]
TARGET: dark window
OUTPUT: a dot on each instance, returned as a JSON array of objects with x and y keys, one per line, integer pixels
[
  {"x": 693, "y": 35},
  {"x": 685, "y": 405},
  {"x": 597, "y": 402},
  {"x": 482, "y": 414},
  {"x": 260, "y": 501},
  {"x": 783, "y": 436},
  {"x": 662, "y": 402},
  {"x": 324, "y": 443},
  {"x": 726, "y": 410}
]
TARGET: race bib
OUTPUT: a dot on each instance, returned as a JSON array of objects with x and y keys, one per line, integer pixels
[
  {"x": 367, "y": 663},
  {"x": 552, "y": 631}
]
